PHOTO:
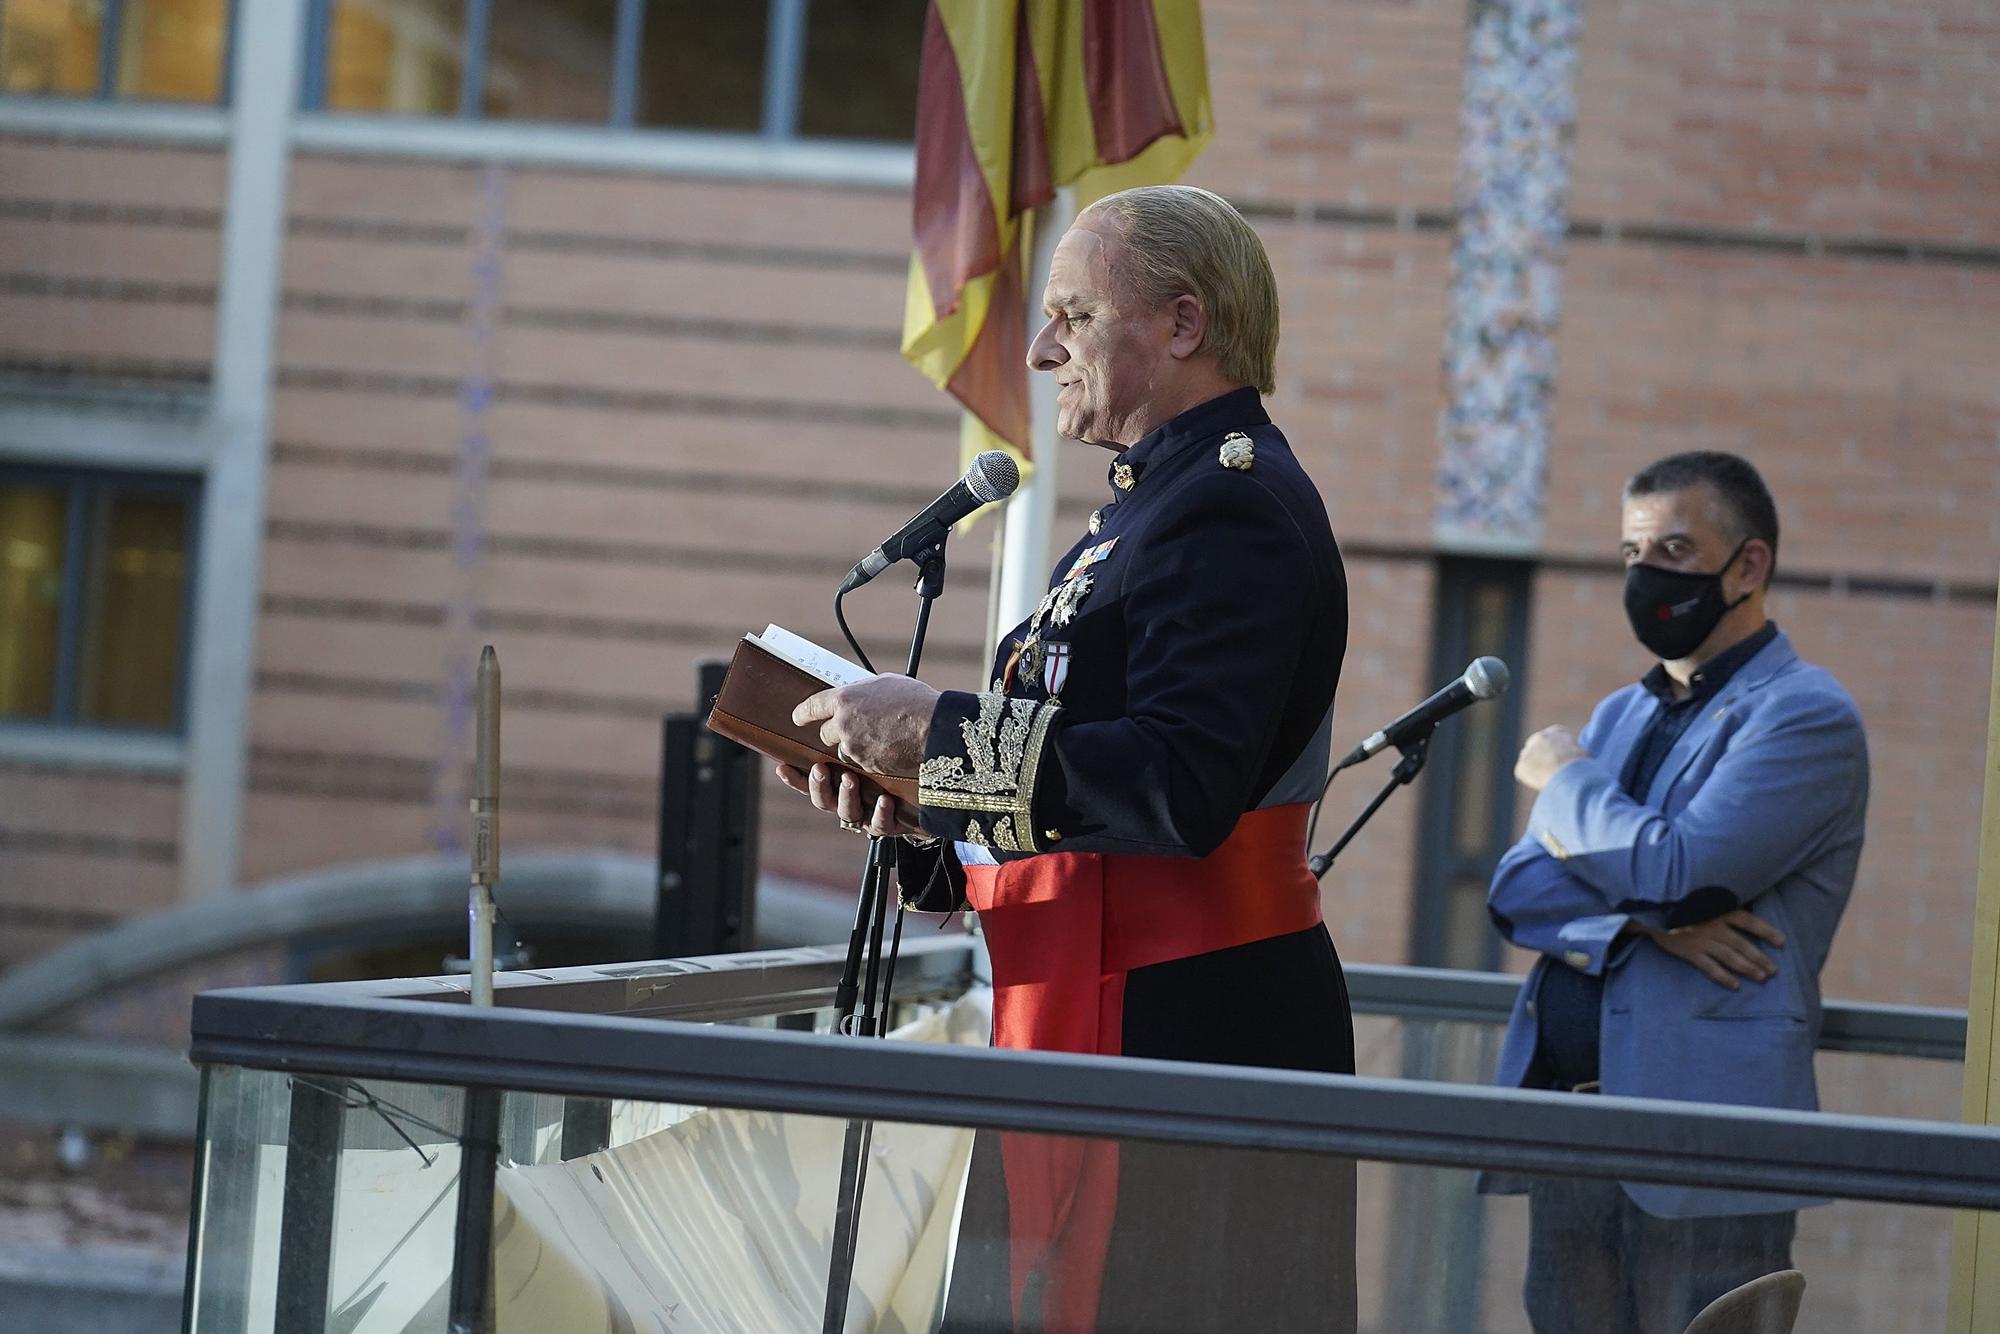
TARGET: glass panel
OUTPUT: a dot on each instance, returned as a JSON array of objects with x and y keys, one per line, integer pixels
[
  {"x": 860, "y": 79},
  {"x": 550, "y": 60},
  {"x": 710, "y": 1218},
  {"x": 172, "y": 50},
  {"x": 31, "y": 576},
  {"x": 133, "y": 612},
  {"x": 399, "y": 56},
  {"x": 324, "y": 1202},
  {"x": 50, "y": 46},
  {"x": 701, "y": 65}
]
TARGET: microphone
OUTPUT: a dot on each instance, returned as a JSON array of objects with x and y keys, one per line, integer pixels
[
  {"x": 1484, "y": 679},
  {"x": 992, "y": 476}
]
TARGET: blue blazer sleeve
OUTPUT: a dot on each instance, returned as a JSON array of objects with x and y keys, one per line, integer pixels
[
  {"x": 1773, "y": 798},
  {"x": 1537, "y": 904}
]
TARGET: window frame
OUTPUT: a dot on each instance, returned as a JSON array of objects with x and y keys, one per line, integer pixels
[
  {"x": 1439, "y": 861},
  {"x": 82, "y": 487},
  {"x": 110, "y": 33},
  {"x": 784, "y": 74}
]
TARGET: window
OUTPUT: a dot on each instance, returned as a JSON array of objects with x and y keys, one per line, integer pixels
[
  {"x": 160, "y": 50},
  {"x": 399, "y": 56},
  {"x": 843, "y": 69},
  {"x": 94, "y": 571},
  {"x": 701, "y": 66},
  {"x": 860, "y": 78},
  {"x": 1466, "y": 816}
]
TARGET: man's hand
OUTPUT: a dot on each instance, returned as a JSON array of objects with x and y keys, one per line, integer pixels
[
  {"x": 878, "y": 724},
  {"x": 1722, "y": 946},
  {"x": 1545, "y": 752},
  {"x": 852, "y": 798}
]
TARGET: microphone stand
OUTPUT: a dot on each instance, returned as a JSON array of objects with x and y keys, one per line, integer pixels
[
  {"x": 870, "y": 914},
  {"x": 1415, "y": 751}
]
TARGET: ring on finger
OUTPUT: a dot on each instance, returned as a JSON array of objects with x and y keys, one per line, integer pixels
[{"x": 854, "y": 826}]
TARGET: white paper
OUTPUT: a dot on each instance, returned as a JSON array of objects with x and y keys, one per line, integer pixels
[{"x": 807, "y": 656}]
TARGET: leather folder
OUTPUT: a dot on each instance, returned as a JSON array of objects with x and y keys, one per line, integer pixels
[{"x": 754, "y": 708}]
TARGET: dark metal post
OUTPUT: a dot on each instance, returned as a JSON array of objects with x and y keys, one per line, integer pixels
[
  {"x": 472, "y": 1244},
  {"x": 305, "y": 1230}
]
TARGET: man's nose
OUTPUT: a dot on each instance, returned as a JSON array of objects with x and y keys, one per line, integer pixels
[{"x": 1046, "y": 352}]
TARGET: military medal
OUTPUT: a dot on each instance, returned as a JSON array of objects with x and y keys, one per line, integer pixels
[
  {"x": 1088, "y": 557},
  {"x": 1068, "y": 596},
  {"x": 1096, "y": 521},
  {"x": 1055, "y": 667},
  {"x": 1122, "y": 476}
]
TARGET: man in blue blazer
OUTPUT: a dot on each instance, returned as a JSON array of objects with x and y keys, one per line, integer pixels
[{"x": 1684, "y": 867}]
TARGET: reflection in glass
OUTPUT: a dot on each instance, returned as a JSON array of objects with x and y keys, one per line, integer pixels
[
  {"x": 860, "y": 79},
  {"x": 397, "y": 56},
  {"x": 171, "y": 50},
  {"x": 550, "y": 60},
  {"x": 50, "y": 46},
  {"x": 701, "y": 65},
  {"x": 133, "y": 612},
  {"x": 31, "y": 576}
]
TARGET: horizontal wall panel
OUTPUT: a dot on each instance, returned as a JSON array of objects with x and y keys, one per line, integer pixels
[
  {"x": 918, "y": 456},
  {"x": 104, "y": 884},
  {"x": 412, "y": 731},
  {"x": 350, "y": 647},
  {"x": 635, "y": 206},
  {"x": 687, "y": 288},
  {"x": 285, "y": 834},
  {"x": 407, "y": 270},
  {"x": 70, "y": 171},
  {"x": 58, "y": 330},
  {"x": 81, "y": 801},
  {"x": 366, "y": 421},
  {"x": 360, "y": 345},
  {"x": 110, "y": 251},
  {"x": 863, "y": 379},
  {"x": 391, "y": 194}
]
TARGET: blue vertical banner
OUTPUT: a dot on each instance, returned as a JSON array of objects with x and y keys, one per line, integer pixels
[
  {"x": 451, "y": 781},
  {"x": 1516, "y": 137}
]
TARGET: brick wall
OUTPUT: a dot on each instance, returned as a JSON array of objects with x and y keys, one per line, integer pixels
[{"x": 701, "y": 419}]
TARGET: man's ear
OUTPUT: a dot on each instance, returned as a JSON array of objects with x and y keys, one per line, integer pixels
[
  {"x": 1753, "y": 567},
  {"x": 1190, "y": 326}
]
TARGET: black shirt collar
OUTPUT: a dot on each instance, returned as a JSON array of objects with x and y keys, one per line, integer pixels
[
  {"x": 1714, "y": 673},
  {"x": 1239, "y": 408}
]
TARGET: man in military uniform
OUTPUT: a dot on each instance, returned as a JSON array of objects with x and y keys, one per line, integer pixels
[{"x": 1125, "y": 805}]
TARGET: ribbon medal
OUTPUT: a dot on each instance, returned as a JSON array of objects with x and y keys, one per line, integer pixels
[{"x": 1088, "y": 557}]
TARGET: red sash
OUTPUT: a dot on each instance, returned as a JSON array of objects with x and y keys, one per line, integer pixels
[{"x": 1064, "y": 928}]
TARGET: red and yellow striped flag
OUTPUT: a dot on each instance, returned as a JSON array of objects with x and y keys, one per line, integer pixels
[{"x": 1018, "y": 98}]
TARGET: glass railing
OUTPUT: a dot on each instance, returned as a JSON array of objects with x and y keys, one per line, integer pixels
[{"x": 658, "y": 1146}]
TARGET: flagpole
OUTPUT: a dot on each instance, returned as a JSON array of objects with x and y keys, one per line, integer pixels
[{"x": 1024, "y": 553}]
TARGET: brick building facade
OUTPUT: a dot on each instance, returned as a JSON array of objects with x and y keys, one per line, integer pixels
[{"x": 1784, "y": 240}]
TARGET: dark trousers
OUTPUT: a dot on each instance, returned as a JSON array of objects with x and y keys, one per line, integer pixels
[{"x": 1598, "y": 1264}]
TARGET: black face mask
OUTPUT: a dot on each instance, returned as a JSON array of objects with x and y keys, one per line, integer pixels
[{"x": 1673, "y": 611}]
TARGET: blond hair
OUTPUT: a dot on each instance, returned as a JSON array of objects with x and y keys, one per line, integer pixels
[{"x": 1181, "y": 240}]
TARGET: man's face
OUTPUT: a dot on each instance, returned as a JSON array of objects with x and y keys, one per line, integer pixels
[
  {"x": 1683, "y": 530},
  {"x": 1107, "y": 351}
]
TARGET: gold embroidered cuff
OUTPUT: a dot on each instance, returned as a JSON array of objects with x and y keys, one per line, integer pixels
[{"x": 996, "y": 773}]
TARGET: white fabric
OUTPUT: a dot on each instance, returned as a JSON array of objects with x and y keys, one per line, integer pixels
[{"x": 723, "y": 1222}]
